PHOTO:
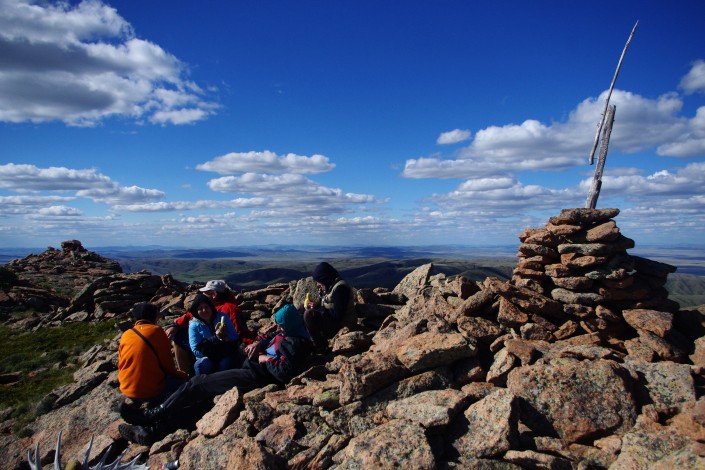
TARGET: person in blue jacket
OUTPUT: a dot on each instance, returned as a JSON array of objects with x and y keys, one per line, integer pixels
[
  {"x": 272, "y": 359},
  {"x": 212, "y": 338}
]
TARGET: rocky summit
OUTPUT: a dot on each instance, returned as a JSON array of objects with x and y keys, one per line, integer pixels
[{"x": 580, "y": 360}]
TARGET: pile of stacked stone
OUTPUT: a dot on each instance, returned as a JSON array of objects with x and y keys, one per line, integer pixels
[
  {"x": 575, "y": 277},
  {"x": 581, "y": 257}
]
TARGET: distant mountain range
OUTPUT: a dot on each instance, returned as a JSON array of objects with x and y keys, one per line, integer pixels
[
  {"x": 274, "y": 252},
  {"x": 364, "y": 266}
]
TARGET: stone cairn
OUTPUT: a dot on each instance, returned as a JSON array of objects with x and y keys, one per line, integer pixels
[{"x": 579, "y": 261}]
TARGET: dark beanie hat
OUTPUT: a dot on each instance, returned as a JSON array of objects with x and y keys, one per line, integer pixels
[
  {"x": 198, "y": 300},
  {"x": 325, "y": 274},
  {"x": 145, "y": 311}
]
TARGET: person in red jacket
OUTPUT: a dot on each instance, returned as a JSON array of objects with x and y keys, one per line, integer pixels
[{"x": 146, "y": 370}]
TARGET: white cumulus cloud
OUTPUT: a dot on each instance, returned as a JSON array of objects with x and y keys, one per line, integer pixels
[
  {"x": 694, "y": 80},
  {"x": 267, "y": 162},
  {"x": 59, "y": 211},
  {"x": 88, "y": 183},
  {"x": 82, "y": 63},
  {"x": 24, "y": 177},
  {"x": 641, "y": 124},
  {"x": 453, "y": 137}
]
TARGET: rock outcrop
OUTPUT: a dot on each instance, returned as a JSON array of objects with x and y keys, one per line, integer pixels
[
  {"x": 46, "y": 282},
  {"x": 579, "y": 361}
]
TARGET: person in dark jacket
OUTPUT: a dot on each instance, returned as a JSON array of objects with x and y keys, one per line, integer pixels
[
  {"x": 336, "y": 310},
  {"x": 273, "y": 359}
]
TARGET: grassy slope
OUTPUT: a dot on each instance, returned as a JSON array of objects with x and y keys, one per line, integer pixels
[
  {"x": 45, "y": 360},
  {"x": 686, "y": 289}
]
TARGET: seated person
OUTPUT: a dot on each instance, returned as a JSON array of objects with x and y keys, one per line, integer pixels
[
  {"x": 146, "y": 370},
  {"x": 273, "y": 359},
  {"x": 224, "y": 300},
  {"x": 212, "y": 337},
  {"x": 337, "y": 308}
]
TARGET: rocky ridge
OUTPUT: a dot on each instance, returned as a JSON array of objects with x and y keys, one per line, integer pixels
[
  {"x": 579, "y": 361},
  {"x": 46, "y": 281}
]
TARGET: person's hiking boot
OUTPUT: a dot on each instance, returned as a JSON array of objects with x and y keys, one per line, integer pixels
[
  {"x": 135, "y": 415},
  {"x": 154, "y": 414},
  {"x": 142, "y": 435}
]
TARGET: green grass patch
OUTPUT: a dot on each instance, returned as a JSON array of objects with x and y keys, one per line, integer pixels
[{"x": 45, "y": 360}]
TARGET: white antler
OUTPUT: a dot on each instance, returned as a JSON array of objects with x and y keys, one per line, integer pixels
[{"x": 35, "y": 464}]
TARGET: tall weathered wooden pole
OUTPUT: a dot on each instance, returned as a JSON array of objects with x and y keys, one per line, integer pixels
[
  {"x": 607, "y": 117},
  {"x": 594, "y": 192},
  {"x": 609, "y": 94}
]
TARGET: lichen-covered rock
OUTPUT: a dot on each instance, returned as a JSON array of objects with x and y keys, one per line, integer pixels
[
  {"x": 429, "y": 408},
  {"x": 666, "y": 385},
  {"x": 362, "y": 378},
  {"x": 575, "y": 400},
  {"x": 479, "y": 328},
  {"x": 583, "y": 217},
  {"x": 651, "y": 445},
  {"x": 351, "y": 343},
  {"x": 492, "y": 426},
  {"x": 698, "y": 356},
  {"x": 225, "y": 411},
  {"x": 412, "y": 282},
  {"x": 658, "y": 323},
  {"x": 537, "y": 460},
  {"x": 396, "y": 444},
  {"x": 279, "y": 436},
  {"x": 428, "y": 350},
  {"x": 504, "y": 362},
  {"x": 78, "y": 421}
]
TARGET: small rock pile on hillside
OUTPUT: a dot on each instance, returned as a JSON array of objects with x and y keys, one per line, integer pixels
[
  {"x": 574, "y": 363},
  {"x": 75, "y": 265},
  {"x": 48, "y": 279}
]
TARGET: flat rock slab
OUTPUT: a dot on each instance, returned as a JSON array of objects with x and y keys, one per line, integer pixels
[
  {"x": 666, "y": 385},
  {"x": 429, "y": 350},
  {"x": 583, "y": 216},
  {"x": 429, "y": 408}
]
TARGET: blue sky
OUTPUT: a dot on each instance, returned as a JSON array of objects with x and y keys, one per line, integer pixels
[{"x": 212, "y": 124}]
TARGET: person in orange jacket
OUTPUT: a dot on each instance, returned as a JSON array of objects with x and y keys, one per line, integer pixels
[{"x": 146, "y": 369}]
